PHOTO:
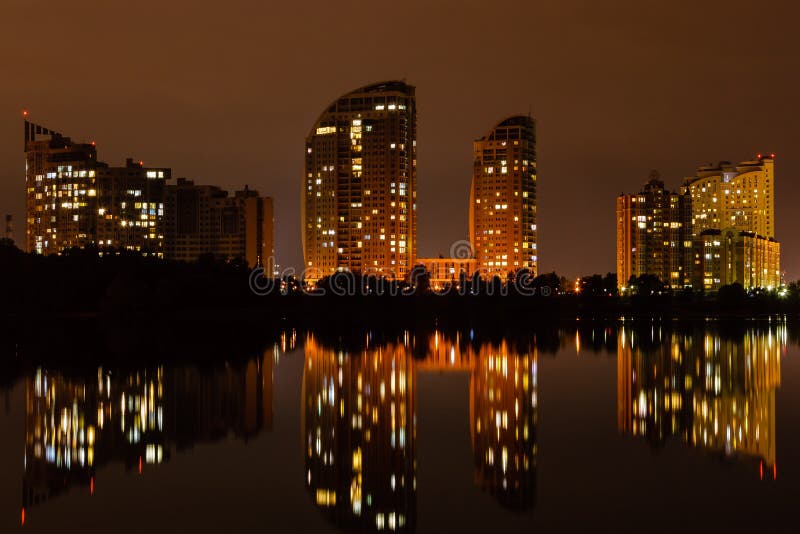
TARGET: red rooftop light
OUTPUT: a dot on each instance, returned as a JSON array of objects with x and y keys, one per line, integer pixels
[{"x": 24, "y": 112}]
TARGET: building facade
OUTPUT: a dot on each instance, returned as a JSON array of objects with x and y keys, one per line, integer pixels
[
  {"x": 654, "y": 235},
  {"x": 74, "y": 200},
  {"x": 502, "y": 210},
  {"x": 359, "y": 190},
  {"x": 204, "y": 219}
]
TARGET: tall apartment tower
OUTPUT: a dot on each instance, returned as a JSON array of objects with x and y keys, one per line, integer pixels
[
  {"x": 502, "y": 211},
  {"x": 733, "y": 215},
  {"x": 654, "y": 235},
  {"x": 74, "y": 200},
  {"x": 61, "y": 191},
  {"x": 738, "y": 196},
  {"x": 204, "y": 219},
  {"x": 360, "y": 185}
]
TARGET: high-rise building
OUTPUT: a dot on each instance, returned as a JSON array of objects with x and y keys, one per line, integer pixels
[
  {"x": 130, "y": 212},
  {"x": 74, "y": 200},
  {"x": 204, "y": 219},
  {"x": 360, "y": 184},
  {"x": 654, "y": 235},
  {"x": 61, "y": 208},
  {"x": 9, "y": 228},
  {"x": 724, "y": 257},
  {"x": 738, "y": 196},
  {"x": 733, "y": 214},
  {"x": 502, "y": 210}
]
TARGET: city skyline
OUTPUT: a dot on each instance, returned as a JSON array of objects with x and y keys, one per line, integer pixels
[
  {"x": 74, "y": 200},
  {"x": 358, "y": 206},
  {"x": 595, "y": 139}
]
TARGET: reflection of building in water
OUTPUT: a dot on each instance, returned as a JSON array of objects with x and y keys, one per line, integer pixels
[
  {"x": 209, "y": 406},
  {"x": 75, "y": 425},
  {"x": 61, "y": 426},
  {"x": 359, "y": 426},
  {"x": 503, "y": 414},
  {"x": 714, "y": 392},
  {"x": 444, "y": 354},
  {"x": 359, "y": 434}
]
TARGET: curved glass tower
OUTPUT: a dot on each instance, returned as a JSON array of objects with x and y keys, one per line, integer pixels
[
  {"x": 360, "y": 185},
  {"x": 502, "y": 209}
]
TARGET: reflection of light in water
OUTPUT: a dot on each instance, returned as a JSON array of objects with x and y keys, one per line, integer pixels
[
  {"x": 504, "y": 406},
  {"x": 360, "y": 449},
  {"x": 73, "y": 425},
  {"x": 359, "y": 434},
  {"x": 720, "y": 398}
]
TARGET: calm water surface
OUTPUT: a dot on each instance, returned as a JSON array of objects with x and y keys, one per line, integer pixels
[{"x": 627, "y": 427}]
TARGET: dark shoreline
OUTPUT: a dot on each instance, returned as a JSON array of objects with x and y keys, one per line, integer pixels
[
  {"x": 78, "y": 307},
  {"x": 80, "y": 342},
  {"x": 222, "y": 328},
  {"x": 228, "y": 312}
]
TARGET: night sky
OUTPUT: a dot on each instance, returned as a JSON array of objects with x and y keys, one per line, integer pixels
[{"x": 225, "y": 93}]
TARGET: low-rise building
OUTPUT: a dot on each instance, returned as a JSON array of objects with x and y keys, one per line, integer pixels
[{"x": 445, "y": 272}]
